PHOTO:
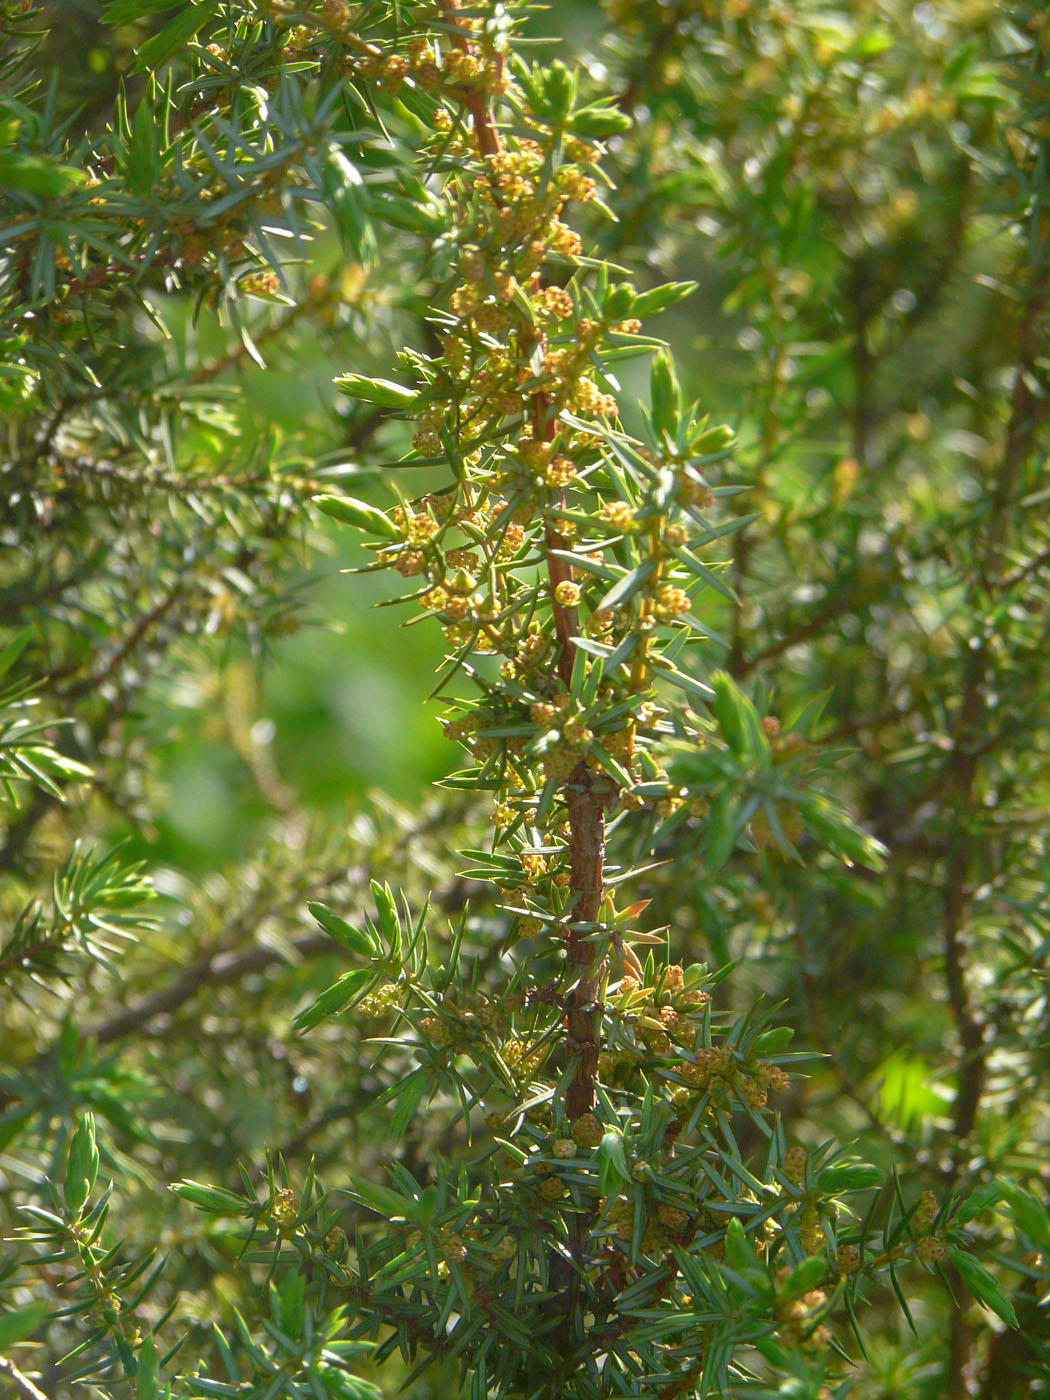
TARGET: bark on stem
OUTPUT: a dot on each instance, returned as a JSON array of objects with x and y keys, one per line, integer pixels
[
  {"x": 485, "y": 133},
  {"x": 586, "y": 793},
  {"x": 21, "y": 1382},
  {"x": 1028, "y": 412},
  {"x": 586, "y": 799}
]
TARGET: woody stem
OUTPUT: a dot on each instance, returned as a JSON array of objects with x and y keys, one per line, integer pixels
[{"x": 586, "y": 793}]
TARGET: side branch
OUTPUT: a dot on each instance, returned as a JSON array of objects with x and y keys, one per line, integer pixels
[
  {"x": 21, "y": 1382},
  {"x": 1027, "y": 413},
  {"x": 587, "y": 796},
  {"x": 485, "y": 133}
]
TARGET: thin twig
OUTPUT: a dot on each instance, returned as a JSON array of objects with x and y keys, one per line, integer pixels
[
  {"x": 20, "y": 1381},
  {"x": 1027, "y": 412},
  {"x": 644, "y": 73},
  {"x": 586, "y": 794}
]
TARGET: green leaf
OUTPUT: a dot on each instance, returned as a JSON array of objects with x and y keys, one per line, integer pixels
[
  {"x": 665, "y": 395},
  {"x": 407, "y": 1099},
  {"x": 37, "y": 175},
  {"x": 214, "y": 1199},
  {"x": 411, "y": 215},
  {"x": 341, "y": 931},
  {"x": 142, "y": 160},
  {"x": 612, "y": 1163},
  {"x": 386, "y": 911},
  {"x": 559, "y": 89},
  {"x": 625, "y": 589},
  {"x": 378, "y": 391},
  {"x": 721, "y": 828},
  {"x": 1030, "y": 1216},
  {"x": 739, "y": 1250},
  {"x": 834, "y": 829},
  {"x": 848, "y": 1176},
  {"x": 736, "y": 716},
  {"x": 341, "y": 1385},
  {"x": 146, "y": 1387},
  {"x": 174, "y": 36},
  {"x": 612, "y": 766},
  {"x": 870, "y": 43},
  {"x": 982, "y": 1198},
  {"x": 82, "y": 1165},
  {"x": 808, "y": 1274},
  {"x": 771, "y": 1042},
  {"x": 596, "y": 122},
  {"x": 288, "y": 1301},
  {"x": 692, "y": 687},
  {"x": 660, "y": 298},
  {"x": 14, "y": 649},
  {"x": 983, "y": 1285},
  {"x": 710, "y": 442},
  {"x": 381, "y": 1199},
  {"x": 333, "y": 1000},
  {"x": 591, "y": 647},
  {"x": 12, "y": 1123},
  {"x": 352, "y": 512},
  {"x": 118, "y": 12},
  {"x": 21, "y": 1322},
  {"x": 619, "y": 301}
]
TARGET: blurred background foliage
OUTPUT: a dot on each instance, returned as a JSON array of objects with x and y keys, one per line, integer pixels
[{"x": 861, "y": 194}]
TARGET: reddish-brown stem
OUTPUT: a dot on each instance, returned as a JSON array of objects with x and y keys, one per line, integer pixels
[
  {"x": 586, "y": 798},
  {"x": 565, "y": 618},
  {"x": 1028, "y": 412},
  {"x": 586, "y": 794},
  {"x": 485, "y": 133}
]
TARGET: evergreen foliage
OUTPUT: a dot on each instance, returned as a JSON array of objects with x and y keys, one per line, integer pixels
[{"x": 690, "y": 1038}]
